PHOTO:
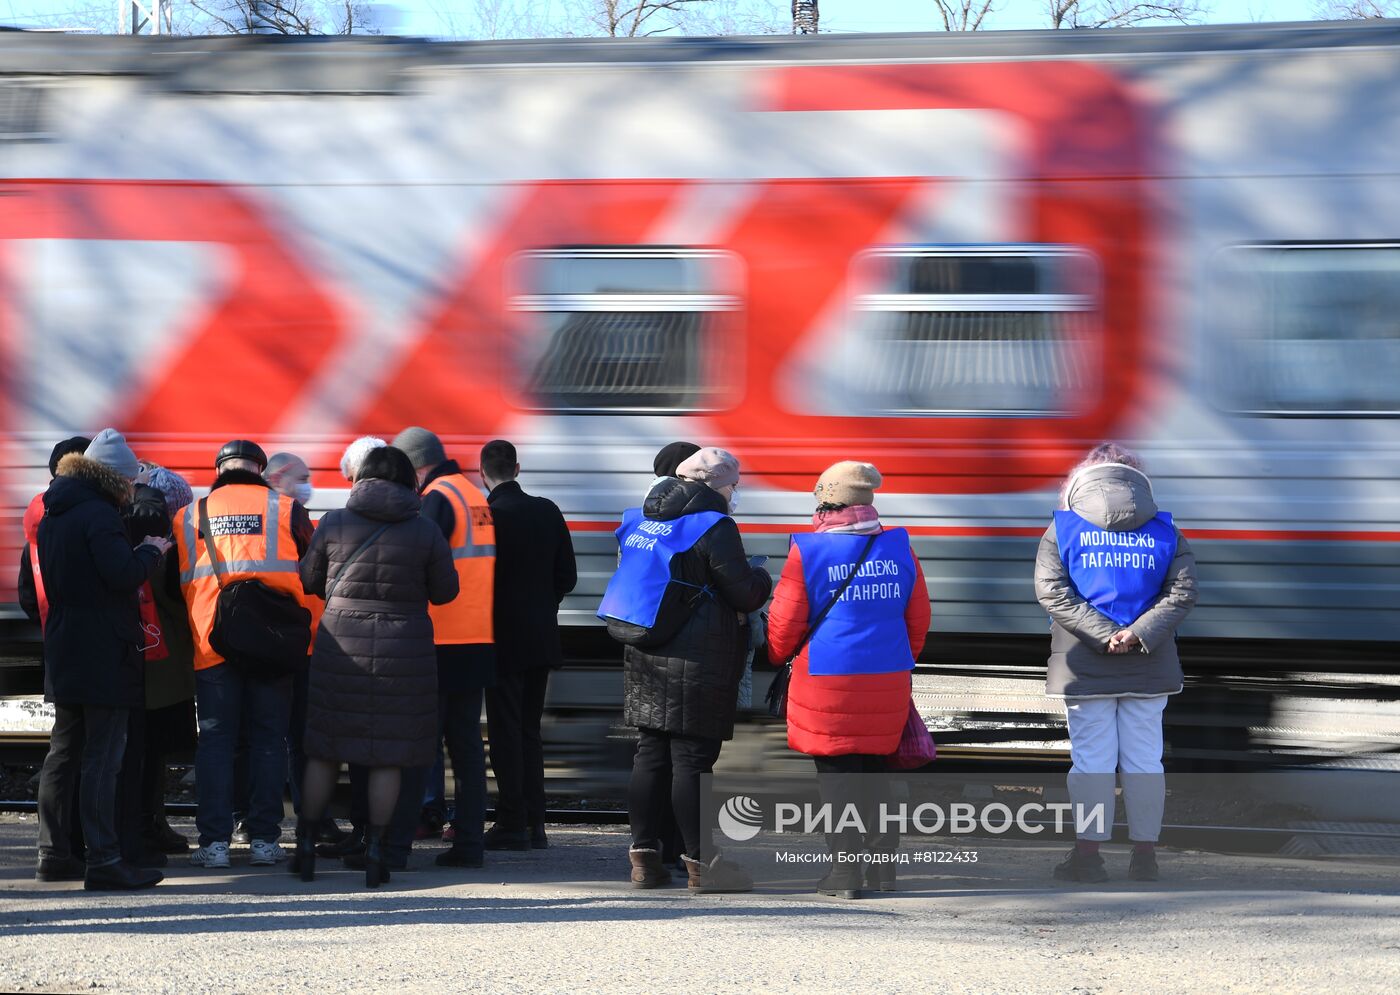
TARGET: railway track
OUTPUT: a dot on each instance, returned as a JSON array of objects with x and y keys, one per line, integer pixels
[{"x": 1246, "y": 708}]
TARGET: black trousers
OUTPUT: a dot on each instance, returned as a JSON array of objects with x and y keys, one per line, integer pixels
[
  {"x": 461, "y": 725},
  {"x": 666, "y": 776},
  {"x": 131, "y": 785},
  {"x": 91, "y": 741},
  {"x": 514, "y": 708},
  {"x": 60, "y": 826},
  {"x": 861, "y": 781}
]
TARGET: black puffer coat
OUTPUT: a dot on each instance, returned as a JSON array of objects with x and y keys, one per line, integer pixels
[
  {"x": 689, "y": 684},
  {"x": 372, "y": 696},
  {"x": 93, "y": 638}
]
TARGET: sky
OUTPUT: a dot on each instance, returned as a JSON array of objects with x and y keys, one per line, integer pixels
[{"x": 423, "y": 17}]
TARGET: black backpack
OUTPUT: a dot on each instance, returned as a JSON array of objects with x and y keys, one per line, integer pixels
[{"x": 260, "y": 630}]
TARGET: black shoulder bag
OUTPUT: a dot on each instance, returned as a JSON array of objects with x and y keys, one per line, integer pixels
[
  {"x": 778, "y": 690},
  {"x": 262, "y": 631}
]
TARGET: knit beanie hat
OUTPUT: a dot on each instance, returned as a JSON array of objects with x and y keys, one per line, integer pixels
[
  {"x": 710, "y": 466},
  {"x": 847, "y": 482},
  {"x": 421, "y": 446},
  {"x": 77, "y": 444},
  {"x": 175, "y": 488},
  {"x": 110, "y": 449},
  {"x": 671, "y": 457},
  {"x": 355, "y": 454}
]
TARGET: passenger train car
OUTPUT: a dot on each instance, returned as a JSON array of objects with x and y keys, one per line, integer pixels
[{"x": 964, "y": 258}]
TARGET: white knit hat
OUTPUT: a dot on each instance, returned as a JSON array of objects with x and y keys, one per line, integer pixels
[{"x": 355, "y": 454}]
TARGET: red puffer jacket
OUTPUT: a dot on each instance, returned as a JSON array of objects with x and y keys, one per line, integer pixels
[
  {"x": 32, "y": 596},
  {"x": 831, "y": 716}
]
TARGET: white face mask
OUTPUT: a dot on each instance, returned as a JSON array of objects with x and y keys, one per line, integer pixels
[
  {"x": 303, "y": 492},
  {"x": 734, "y": 500}
]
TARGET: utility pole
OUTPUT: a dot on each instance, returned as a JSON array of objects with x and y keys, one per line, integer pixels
[
  {"x": 143, "y": 17},
  {"x": 805, "y": 17}
]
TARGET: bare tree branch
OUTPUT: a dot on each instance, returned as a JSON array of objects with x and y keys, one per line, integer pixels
[
  {"x": 1120, "y": 13},
  {"x": 1356, "y": 10},
  {"x": 964, "y": 15}
]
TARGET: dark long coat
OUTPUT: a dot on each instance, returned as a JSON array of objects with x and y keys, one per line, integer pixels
[
  {"x": 535, "y": 568},
  {"x": 372, "y": 689},
  {"x": 689, "y": 683},
  {"x": 93, "y": 637}
]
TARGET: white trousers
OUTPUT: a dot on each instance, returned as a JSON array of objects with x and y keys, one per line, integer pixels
[{"x": 1124, "y": 735}]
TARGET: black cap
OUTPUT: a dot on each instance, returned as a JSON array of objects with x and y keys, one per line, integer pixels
[
  {"x": 242, "y": 449},
  {"x": 673, "y": 456},
  {"x": 77, "y": 444}
]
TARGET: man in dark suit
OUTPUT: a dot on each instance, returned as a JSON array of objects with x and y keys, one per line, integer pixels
[{"x": 534, "y": 570}]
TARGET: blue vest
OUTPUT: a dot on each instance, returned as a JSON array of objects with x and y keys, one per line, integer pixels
[
  {"x": 1119, "y": 573},
  {"x": 635, "y": 591},
  {"x": 864, "y": 633}
]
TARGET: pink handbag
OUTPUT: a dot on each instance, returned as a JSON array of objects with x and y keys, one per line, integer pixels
[{"x": 916, "y": 746}]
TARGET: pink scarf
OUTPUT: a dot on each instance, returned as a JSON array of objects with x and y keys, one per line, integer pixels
[{"x": 856, "y": 519}]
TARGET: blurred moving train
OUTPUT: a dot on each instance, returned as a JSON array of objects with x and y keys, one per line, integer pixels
[{"x": 965, "y": 258}]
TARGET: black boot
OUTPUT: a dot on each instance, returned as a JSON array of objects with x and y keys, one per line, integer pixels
[
  {"x": 500, "y": 838},
  {"x": 120, "y": 876},
  {"x": 844, "y": 878},
  {"x": 329, "y": 832},
  {"x": 375, "y": 871},
  {"x": 1084, "y": 867},
  {"x": 161, "y": 836},
  {"x": 883, "y": 848},
  {"x": 304, "y": 857},
  {"x": 352, "y": 845}
]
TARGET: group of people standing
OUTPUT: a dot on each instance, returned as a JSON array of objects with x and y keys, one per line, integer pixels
[
  {"x": 425, "y": 595},
  {"x": 429, "y": 597},
  {"x": 850, "y": 615}
]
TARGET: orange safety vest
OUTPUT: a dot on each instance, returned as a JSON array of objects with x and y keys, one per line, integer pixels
[
  {"x": 252, "y": 532},
  {"x": 468, "y": 617}
]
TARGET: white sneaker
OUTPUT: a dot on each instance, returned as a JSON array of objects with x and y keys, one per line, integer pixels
[
  {"x": 213, "y": 855},
  {"x": 266, "y": 853}
]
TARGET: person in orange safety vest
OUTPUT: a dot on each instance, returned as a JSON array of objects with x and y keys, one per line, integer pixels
[{"x": 257, "y": 534}]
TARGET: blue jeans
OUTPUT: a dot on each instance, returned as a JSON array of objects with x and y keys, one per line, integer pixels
[
  {"x": 434, "y": 793},
  {"x": 229, "y": 702}
]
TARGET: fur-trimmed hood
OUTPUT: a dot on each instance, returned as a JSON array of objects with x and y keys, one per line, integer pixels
[{"x": 81, "y": 479}]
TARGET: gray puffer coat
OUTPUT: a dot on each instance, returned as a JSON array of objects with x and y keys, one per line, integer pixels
[
  {"x": 372, "y": 690},
  {"x": 1117, "y": 498}
]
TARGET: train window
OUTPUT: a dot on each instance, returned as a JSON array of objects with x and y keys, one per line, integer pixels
[
  {"x": 973, "y": 330},
  {"x": 1312, "y": 329},
  {"x": 23, "y": 112},
  {"x": 613, "y": 329}
]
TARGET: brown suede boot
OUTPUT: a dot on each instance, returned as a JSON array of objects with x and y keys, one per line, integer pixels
[
  {"x": 717, "y": 877},
  {"x": 647, "y": 869}
]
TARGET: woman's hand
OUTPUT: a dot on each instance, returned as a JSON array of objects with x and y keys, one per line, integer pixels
[
  {"x": 1123, "y": 641},
  {"x": 161, "y": 545}
]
